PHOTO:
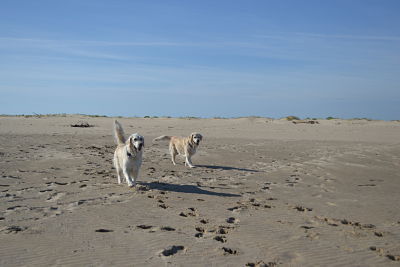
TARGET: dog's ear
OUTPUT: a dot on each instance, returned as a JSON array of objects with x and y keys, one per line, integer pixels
[{"x": 132, "y": 146}]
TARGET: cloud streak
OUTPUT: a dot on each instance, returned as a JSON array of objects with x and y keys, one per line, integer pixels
[
  {"x": 49, "y": 42},
  {"x": 298, "y": 36},
  {"x": 350, "y": 37}
]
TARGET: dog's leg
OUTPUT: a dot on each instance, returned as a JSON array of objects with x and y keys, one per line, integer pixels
[
  {"x": 188, "y": 161},
  {"x": 135, "y": 175},
  {"x": 173, "y": 155},
  {"x": 119, "y": 173},
  {"x": 118, "y": 169},
  {"x": 172, "y": 151},
  {"x": 120, "y": 176},
  {"x": 128, "y": 177}
]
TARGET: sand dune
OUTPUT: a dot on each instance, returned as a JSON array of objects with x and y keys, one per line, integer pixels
[{"x": 265, "y": 193}]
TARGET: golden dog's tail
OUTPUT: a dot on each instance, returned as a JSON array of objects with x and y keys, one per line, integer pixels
[
  {"x": 162, "y": 137},
  {"x": 119, "y": 133}
]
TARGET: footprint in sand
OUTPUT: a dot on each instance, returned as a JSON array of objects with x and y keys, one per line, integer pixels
[
  {"x": 18, "y": 207},
  {"x": 163, "y": 228},
  {"x": 265, "y": 188},
  {"x": 393, "y": 257},
  {"x": 236, "y": 208},
  {"x": 171, "y": 250},
  {"x": 53, "y": 212},
  {"x": 60, "y": 183},
  {"x": 151, "y": 170},
  {"x": 220, "y": 238},
  {"x": 204, "y": 221},
  {"x": 378, "y": 234},
  {"x": 192, "y": 213},
  {"x": 198, "y": 235},
  {"x": 167, "y": 228},
  {"x": 45, "y": 190},
  {"x": 261, "y": 264},
  {"x": 163, "y": 206},
  {"x": 292, "y": 180},
  {"x": 14, "y": 229},
  {"x": 101, "y": 230},
  {"x": 200, "y": 232},
  {"x": 302, "y": 209},
  {"x": 223, "y": 230},
  {"x": 382, "y": 252},
  {"x": 200, "y": 229},
  {"x": 55, "y": 196},
  {"x": 229, "y": 251},
  {"x": 232, "y": 220},
  {"x": 143, "y": 226}
]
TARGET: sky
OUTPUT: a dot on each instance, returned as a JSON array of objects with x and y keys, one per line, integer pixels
[{"x": 270, "y": 58}]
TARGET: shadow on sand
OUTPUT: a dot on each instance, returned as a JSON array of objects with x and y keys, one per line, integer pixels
[
  {"x": 191, "y": 189},
  {"x": 215, "y": 167}
]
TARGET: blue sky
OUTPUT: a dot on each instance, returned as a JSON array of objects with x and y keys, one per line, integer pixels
[{"x": 201, "y": 58}]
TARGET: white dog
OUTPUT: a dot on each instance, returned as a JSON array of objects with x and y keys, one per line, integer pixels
[
  {"x": 127, "y": 155},
  {"x": 185, "y": 146}
]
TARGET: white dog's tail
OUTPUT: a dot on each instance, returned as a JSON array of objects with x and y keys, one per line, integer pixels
[
  {"x": 162, "y": 137},
  {"x": 119, "y": 133}
]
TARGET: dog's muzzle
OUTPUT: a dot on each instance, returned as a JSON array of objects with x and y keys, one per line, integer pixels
[{"x": 140, "y": 146}]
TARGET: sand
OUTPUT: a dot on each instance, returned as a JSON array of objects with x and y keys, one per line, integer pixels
[{"x": 265, "y": 193}]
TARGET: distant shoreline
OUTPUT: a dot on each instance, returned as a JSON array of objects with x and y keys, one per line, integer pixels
[{"x": 289, "y": 118}]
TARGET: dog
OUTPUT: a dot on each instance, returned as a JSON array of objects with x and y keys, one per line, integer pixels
[
  {"x": 185, "y": 146},
  {"x": 127, "y": 155}
]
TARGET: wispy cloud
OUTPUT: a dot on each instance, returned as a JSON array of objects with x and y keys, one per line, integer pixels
[
  {"x": 34, "y": 41},
  {"x": 119, "y": 50},
  {"x": 47, "y": 42},
  {"x": 217, "y": 43},
  {"x": 293, "y": 36},
  {"x": 350, "y": 37}
]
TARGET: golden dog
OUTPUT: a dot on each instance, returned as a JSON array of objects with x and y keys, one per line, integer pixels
[
  {"x": 127, "y": 155},
  {"x": 185, "y": 146}
]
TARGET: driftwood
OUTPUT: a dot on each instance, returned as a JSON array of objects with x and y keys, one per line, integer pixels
[
  {"x": 82, "y": 124},
  {"x": 305, "y": 121}
]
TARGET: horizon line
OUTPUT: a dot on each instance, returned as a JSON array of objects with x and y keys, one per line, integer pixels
[{"x": 289, "y": 117}]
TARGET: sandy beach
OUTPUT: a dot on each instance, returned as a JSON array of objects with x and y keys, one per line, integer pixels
[{"x": 265, "y": 192}]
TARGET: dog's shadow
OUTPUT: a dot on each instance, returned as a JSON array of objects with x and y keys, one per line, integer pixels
[
  {"x": 190, "y": 189},
  {"x": 226, "y": 168}
]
